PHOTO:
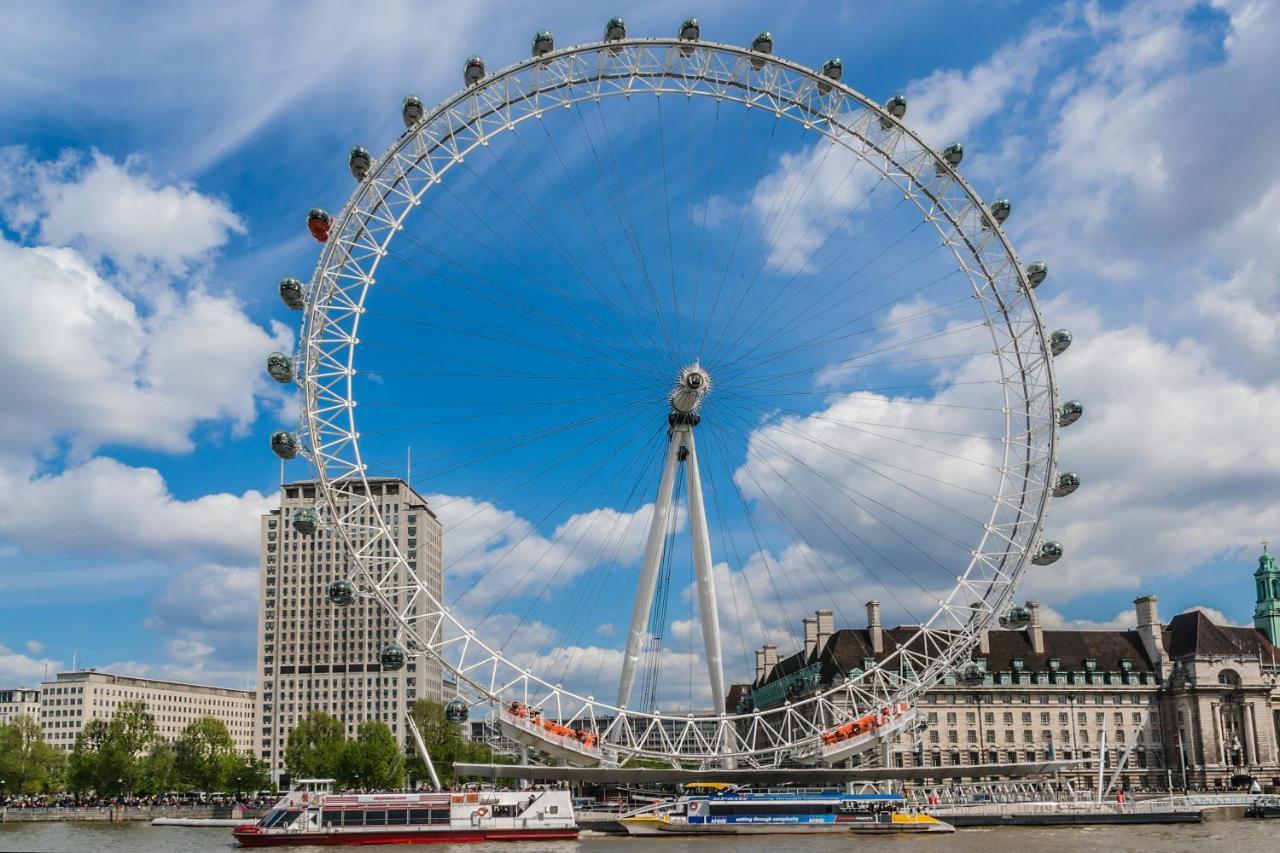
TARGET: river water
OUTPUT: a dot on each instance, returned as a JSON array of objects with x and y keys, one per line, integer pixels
[{"x": 1237, "y": 836}]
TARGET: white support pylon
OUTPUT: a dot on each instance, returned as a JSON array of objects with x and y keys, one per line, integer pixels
[
  {"x": 648, "y": 582},
  {"x": 708, "y": 613}
]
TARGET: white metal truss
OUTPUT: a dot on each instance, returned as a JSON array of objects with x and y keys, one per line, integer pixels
[{"x": 500, "y": 103}]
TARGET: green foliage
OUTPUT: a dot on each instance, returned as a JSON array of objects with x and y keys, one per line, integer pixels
[
  {"x": 116, "y": 757},
  {"x": 28, "y": 765},
  {"x": 372, "y": 760},
  {"x": 314, "y": 748},
  {"x": 246, "y": 773},
  {"x": 445, "y": 743},
  {"x": 204, "y": 754},
  {"x": 156, "y": 771}
]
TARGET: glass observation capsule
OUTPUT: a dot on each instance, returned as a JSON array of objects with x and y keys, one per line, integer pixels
[
  {"x": 412, "y": 111},
  {"x": 280, "y": 367},
  {"x": 284, "y": 444},
  {"x": 457, "y": 711},
  {"x": 473, "y": 71},
  {"x": 543, "y": 43},
  {"x": 951, "y": 155},
  {"x": 359, "y": 162},
  {"x": 1017, "y": 617},
  {"x": 896, "y": 107},
  {"x": 615, "y": 30},
  {"x": 1049, "y": 553},
  {"x": 972, "y": 674},
  {"x": 291, "y": 294},
  {"x": 1059, "y": 341},
  {"x": 689, "y": 29},
  {"x": 1037, "y": 272},
  {"x": 1068, "y": 482},
  {"x": 1000, "y": 210},
  {"x": 762, "y": 43},
  {"x": 318, "y": 224},
  {"x": 392, "y": 656},
  {"x": 341, "y": 592},
  {"x": 832, "y": 69},
  {"x": 305, "y": 521},
  {"x": 1070, "y": 412}
]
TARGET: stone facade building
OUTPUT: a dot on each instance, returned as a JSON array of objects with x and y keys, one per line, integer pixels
[
  {"x": 19, "y": 702},
  {"x": 70, "y": 701},
  {"x": 1188, "y": 702},
  {"x": 313, "y": 655}
]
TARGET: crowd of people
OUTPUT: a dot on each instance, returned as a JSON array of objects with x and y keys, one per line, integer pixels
[{"x": 85, "y": 801}]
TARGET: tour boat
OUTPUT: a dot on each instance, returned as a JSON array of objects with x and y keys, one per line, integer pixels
[
  {"x": 312, "y": 814},
  {"x": 723, "y": 810}
]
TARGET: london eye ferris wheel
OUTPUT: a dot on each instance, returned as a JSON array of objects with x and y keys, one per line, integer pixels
[{"x": 689, "y": 340}]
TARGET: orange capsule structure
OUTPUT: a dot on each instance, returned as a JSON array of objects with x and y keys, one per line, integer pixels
[{"x": 318, "y": 224}]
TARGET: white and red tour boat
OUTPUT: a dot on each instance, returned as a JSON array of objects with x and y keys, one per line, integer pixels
[{"x": 312, "y": 814}]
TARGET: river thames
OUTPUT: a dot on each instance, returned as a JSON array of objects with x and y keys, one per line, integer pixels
[{"x": 1238, "y": 836}]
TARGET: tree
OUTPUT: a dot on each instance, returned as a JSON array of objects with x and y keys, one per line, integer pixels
[
  {"x": 28, "y": 765},
  {"x": 445, "y": 743},
  {"x": 109, "y": 757},
  {"x": 314, "y": 747},
  {"x": 157, "y": 771},
  {"x": 203, "y": 753},
  {"x": 246, "y": 773},
  {"x": 372, "y": 760}
]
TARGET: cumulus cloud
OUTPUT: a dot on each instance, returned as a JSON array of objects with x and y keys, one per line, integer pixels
[
  {"x": 18, "y": 669},
  {"x": 115, "y": 211},
  {"x": 125, "y": 511}
]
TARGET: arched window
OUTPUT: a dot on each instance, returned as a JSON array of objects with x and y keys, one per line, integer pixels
[{"x": 1229, "y": 677}]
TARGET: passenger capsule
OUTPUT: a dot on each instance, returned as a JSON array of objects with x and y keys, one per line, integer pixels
[
  {"x": 291, "y": 294},
  {"x": 1049, "y": 553},
  {"x": 359, "y": 162},
  {"x": 305, "y": 521},
  {"x": 1037, "y": 272},
  {"x": 1017, "y": 617},
  {"x": 392, "y": 656},
  {"x": 896, "y": 107},
  {"x": 1059, "y": 341},
  {"x": 473, "y": 71},
  {"x": 832, "y": 69},
  {"x": 689, "y": 31},
  {"x": 280, "y": 367},
  {"x": 615, "y": 30},
  {"x": 284, "y": 444},
  {"x": 1070, "y": 412},
  {"x": 1068, "y": 482},
  {"x": 456, "y": 711},
  {"x": 762, "y": 43},
  {"x": 318, "y": 224},
  {"x": 972, "y": 674},
  {"x": 341, "y": 592},
  {"x": 411, "y": 110},
  {"x": 543, "y": 43},
  {"x": 1000, "y": 209},
  {"x": 951, "y": 156}
]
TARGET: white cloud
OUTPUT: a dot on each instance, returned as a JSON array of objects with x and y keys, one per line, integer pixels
[
  {"x": 17, "y": 669},
  {"x": 115, "y": 211},
  {"x": 106, "y": 507},
  {"x": 34, "y": 646}
]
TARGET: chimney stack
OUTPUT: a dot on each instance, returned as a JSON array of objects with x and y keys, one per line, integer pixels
[
  {"x": 826, "y": 627},
  {"x": 873, "y": 628},
  {"x": 1034, "y": 631},
  {"x": 770, "y": 658},
  {"x": 810, "y": 636},
  {"x": 1151, "y": 631},
  {"x": 759, "y": 665},
  {"x": 984, "y": 640}
]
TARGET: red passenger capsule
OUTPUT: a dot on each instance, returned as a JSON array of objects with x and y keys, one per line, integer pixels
[{"x": 318, "y": 224}]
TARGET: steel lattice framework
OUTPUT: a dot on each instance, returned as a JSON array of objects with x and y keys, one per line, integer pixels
[{"x": 501, "y": 103}]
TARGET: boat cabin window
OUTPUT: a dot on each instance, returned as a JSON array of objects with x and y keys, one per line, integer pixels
[
  {"x": 506, "y": 811},
  {"x": 782, "y": 808},
  {"x": 397, "y": 817},
  {"x": 280, "y": 817},
  {"x": 375, "y": 817}
]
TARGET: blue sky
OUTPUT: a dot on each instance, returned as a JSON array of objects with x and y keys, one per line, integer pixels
[{"x": 158, "y": 180}]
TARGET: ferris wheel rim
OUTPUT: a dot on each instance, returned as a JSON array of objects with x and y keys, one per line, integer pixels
[{"x": 315, "y": 365}]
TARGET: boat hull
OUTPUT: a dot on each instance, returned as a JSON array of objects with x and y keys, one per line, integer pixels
[{"x": 470, "y": 835}]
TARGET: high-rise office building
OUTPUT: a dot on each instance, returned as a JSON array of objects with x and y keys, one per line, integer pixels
[{"x": 313, "y": 655}]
